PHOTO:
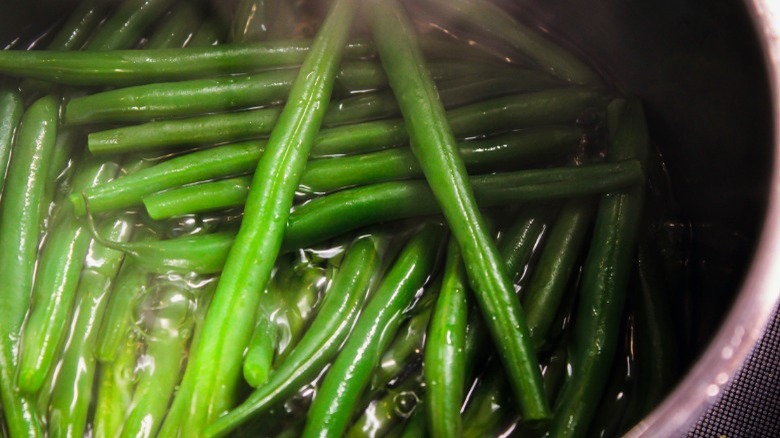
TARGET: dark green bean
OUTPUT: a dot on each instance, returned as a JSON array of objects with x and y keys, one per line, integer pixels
[
  {"x": 604, "y": 279},
  {"x": 346, "y": 210},
  {"x": 115, "y": 389},
  {"x": 210, "y": 33},
  {"x": 415, "y": 427},
  {"x": 382, "y": 415},
  {"x": 489, "y": 19},
  {"x": 177, "y": 27},
  {"x": 123, "y": 28},
  {"x": 168, "y": 334},
  {"x": 508, "y": 151},
  {"x": 127, "y": 67},
  {"x": 553, "y": 271},
  {"x": 20, "y": 231},
  {"x": 252, "y": 19},
  {"x": 11, "y": 109},
  {"x": 214, "y": 370},
  {"x": 332, "y": 408},
  {"x": 59, "y": 267},
  {"x": 80, "y": 24},
  {"x": 321, "y": 175},
  {"x": 517, "y": 243},
  {"x": 445, "y": 360},
  {"x": 551, "y": 107},
  {"x": 337, "y": 314},
  {"x": 72, "y": 393}
]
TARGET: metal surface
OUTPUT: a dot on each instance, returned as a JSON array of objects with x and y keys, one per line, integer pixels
[{"x": 760, "y": 292}]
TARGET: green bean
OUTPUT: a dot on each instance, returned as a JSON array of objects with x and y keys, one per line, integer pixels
[
  {"x": 382, "y": 415},
  {"x": 118, "y": 318},
  {"x": 433, "y": 143},
  {"x": 177, "y": 27},
  {"x": 604, "y": 280},
  {"x": 198, "y": 198},
  {"x": 166, "y": 343},
  {"x": 201, "y": 254},
  {"x": 11, "y": 109},
  {"x": 127, "y": 67},
  {"x": 554, "y": 269},
  {"x": 209, "y": 33},
  {"x": 551, "y": 107},
  {"x": 20, "y": 232},
  {"x": 415, "y": 427},
  {"x": 262, "y": 346},
  {"x": 80, "y": 24},
  {"x": 331, "y": 215},
  {"x": 321, "y": 175},
  {"x": 518, "y": 241},
  {"x": 491, "y": 20},
  {"x": 142, "y": 103},
  {"x": 72, "y": 393},
  {"x": 513, "y": 149},
  {"x": 445, "y": 360},
  {"x": 331, "y": 410},
  {"x": 489, "y": 407},
  {"x": 252, "y": 19},
  {"x": 115, "y": 389},
  {"x": 214, "y": 370},
  {"x": 338, "y": 312},
  {"x": 123, "y": 28},
  {"x": 59, "y": 267}
]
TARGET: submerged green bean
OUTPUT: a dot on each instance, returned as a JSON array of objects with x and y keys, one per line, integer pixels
[
  {"x": 209, "y": 388},
  {"x": 177, "y": 28},
  {"x": 21, "y": 224},
  {"x": 339, "y": 310},
  {"x": 11, "y": 109},
  {"x": 123, "y": 28},
  {"x": 115, "y": 389}
]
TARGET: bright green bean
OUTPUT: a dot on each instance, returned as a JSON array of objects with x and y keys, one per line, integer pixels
[
  {"x": 115, "y": 389},
  {"x": 445, "y": 361},
  {"x": 166, "y": 342},
  {"x": 59, "y": 267},
  {"x": 339, "y": 310},
  {"x": 198, "y": 198},
  {"x": 332, "y": 408},
  {"x": 20, "y": 231},
  {"x": 214, "y": 370},
  {"x": 72, "y": 394}
]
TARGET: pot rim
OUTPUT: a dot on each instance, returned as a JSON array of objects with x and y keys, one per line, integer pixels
[{"x": 760, "y": 292}]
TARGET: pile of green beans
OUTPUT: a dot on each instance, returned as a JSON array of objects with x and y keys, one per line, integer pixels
[{"x": 258, "y": 218}]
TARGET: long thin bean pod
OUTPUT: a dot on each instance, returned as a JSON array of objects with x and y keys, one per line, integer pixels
[
  {"x": 331, "y": 215},
  {"x": 59, "y": 267},
  {"x": 123, "y": 28},
  {"x": 72, "y": 393},
  {"x": 80, "y": 24},
  {"x": 115, "y": 389},
  {"x": 433, "y": 143},
  {"x": 177, "y": 28},
  {"x": 331, "y": 410},
  {"x": 323, "y": 175},
  {"x": 445, "y": 360},
  {"x": 340, "y": 308},
  {"x": 550, "y": 107},
  {"x": 604, "y": 280},
  {"x": 166, "y": 342},
  {"x": 11, "y": 109},
  {"x": 20, "y": 231},
  {"x": 208, "y": 387}
]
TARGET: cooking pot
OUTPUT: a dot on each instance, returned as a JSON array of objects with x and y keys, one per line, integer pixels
[{"x": 709, "y": 74}]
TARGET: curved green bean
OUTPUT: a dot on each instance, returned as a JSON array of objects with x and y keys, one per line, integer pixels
[
  {"x": 59, "y": 267},
  {"x": 445, "y": 361},
  {"x": 339, "y": 310},
  {"x": 214, "y": 370},
  {"x": 331, "y": 410},
  {"x": 604, "y": 280},
  {"x": 71, "y": 396},
  {"x": 21, "y": 222}
]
